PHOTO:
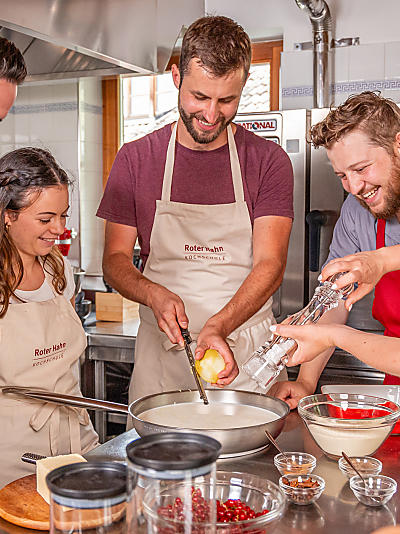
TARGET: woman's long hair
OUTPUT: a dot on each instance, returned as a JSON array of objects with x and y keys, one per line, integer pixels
[{"x": 23, "y": 172}]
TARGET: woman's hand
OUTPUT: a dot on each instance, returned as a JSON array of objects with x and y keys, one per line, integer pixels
[
  {"x": 311, "y": 340},
  {"x": 364, "y": 268}
]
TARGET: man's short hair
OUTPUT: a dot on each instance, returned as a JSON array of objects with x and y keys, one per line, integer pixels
[
  {"x": 12, "y": 64},
  {"x": 220, "y": 44},
  {"x": 367, "y": 112}
]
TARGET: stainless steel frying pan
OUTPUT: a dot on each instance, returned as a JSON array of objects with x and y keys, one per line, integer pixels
[{"x": 235, "y": 441}]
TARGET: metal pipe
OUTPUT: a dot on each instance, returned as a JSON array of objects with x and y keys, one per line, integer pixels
[{"x": 321, "y": 21}]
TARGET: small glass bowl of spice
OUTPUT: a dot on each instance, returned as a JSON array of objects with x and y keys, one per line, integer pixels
[
  {"x": 302, "y": 489},
  {"x": 377, "y": 490},
  {"x": 366, "y": 465},
  {"x": 295, "y": 463}
]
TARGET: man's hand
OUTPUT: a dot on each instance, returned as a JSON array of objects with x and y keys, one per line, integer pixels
[
  {"x": 290, "y": 392},
  {"x": 168, "y": 310},
  {"x": 365, "y": 268},
  {"x": 211, "y": 337}
]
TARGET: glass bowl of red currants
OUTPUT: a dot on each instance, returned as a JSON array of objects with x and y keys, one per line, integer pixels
[{"x": 245, "y": 504}]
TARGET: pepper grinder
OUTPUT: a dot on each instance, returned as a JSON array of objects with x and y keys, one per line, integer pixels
[{"x": 267, "y": 362}]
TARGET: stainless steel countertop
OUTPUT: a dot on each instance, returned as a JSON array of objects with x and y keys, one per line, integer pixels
[
  {"x": 112, "y": 334},
  {"x": 337, "y": 510}
]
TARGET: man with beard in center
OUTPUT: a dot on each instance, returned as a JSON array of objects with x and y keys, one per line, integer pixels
[
  {"x": 211, "y": 205},
  {"x": 362, "y": 139}
]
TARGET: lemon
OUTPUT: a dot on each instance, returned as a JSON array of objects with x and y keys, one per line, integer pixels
[{"x": 210, "y": 365}]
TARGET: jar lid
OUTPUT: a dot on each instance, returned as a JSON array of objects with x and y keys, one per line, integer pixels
[
  {"x": 173, "y": 451},
  {"x": 89, "y": 481}
]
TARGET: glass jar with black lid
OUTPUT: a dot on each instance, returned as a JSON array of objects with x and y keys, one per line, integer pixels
[
  {"x": 176, "y": 481},
  {"x": 89, "y": 497}
]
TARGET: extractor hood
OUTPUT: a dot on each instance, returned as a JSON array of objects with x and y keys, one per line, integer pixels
[{"x": 71, "y": 38}]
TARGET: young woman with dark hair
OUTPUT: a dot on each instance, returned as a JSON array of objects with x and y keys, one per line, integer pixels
[{"x": 41, "y": 336}]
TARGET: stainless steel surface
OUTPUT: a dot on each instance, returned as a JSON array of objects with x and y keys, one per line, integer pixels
[
  {"x": 67, "y": 400},
  {"x": 321, "y": 21},
  {"x": 108, "y": 342},
  {"x": 61, "y": 39},
  {"x": 289, "y": 128},
  {"x": 233, "y": 440},
  {"x": 337, "y": 510},
  {"x": 326, "y": 194},
  {"x": 78, "y": 276},
  {"x": 31, "y": 458},
  {"x": 188, "y": 340}
]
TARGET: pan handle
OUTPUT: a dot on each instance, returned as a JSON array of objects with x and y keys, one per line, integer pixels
[{"x": 67, "y": 400}]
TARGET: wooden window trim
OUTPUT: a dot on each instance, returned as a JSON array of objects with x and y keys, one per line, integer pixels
[{"x": 111, "y": 123}]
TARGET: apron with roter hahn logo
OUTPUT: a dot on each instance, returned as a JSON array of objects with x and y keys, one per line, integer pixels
[
  {"x": 40, "y": 346},
  {"x": 203, "y": 253}
]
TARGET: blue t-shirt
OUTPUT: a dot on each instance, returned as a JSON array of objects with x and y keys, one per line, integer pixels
[{"x": 355, "y": 231}]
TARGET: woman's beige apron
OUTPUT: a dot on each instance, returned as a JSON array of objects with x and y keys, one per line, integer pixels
[
  {"x": 202, "y": 253},
  {"x": 40, "y": 346}
]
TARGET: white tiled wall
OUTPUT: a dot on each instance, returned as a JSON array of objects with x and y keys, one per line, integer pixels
[
  {"x": 365, "y": 67},
  {"x": 66, "y": 119},
  {"x": 91, "y": 171}
]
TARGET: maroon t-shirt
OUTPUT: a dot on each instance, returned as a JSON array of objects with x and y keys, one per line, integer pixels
[{"x": 200, "y": 177}]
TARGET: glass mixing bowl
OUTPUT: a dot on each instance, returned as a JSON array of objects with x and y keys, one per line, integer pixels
[
  {"x": 262, "y": 496},
  {"x": 353, "y": 423}
]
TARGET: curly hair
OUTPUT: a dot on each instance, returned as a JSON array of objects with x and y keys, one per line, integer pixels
[
  {"x": 220, "y": 44},
  {"x": 22, "y": 172},
  {"x": 12, "y": 64},
  {"x": 368, "y": 112}
]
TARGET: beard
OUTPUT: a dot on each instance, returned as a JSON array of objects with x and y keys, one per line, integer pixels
[
  {"x": 391, "y": 196},
  {"x": 202, "y": 137}
]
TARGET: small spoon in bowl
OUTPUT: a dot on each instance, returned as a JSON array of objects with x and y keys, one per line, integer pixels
[
  {"x": 274, "y": 443},
  {"x": 359, "y": 474}
]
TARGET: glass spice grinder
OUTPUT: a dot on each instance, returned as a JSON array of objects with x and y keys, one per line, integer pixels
[{"x": 268, "y": 361}]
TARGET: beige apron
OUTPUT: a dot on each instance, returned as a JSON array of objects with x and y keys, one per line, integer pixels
[
  {"x": 202, "y": 253},
  {"x": 40, "y": 346}
]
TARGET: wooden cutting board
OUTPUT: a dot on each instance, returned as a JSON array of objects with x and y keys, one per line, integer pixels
[{"x": 22, "y": 505}]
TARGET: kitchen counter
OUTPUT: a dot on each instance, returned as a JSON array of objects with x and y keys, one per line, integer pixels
[{"x": 337, "y": 510}]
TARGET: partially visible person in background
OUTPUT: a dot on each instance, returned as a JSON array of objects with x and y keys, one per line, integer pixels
[
  {"x": 12, "y": 74},
  {"x": 41, "y": 336},
  {"x": 362, "y": 140}
]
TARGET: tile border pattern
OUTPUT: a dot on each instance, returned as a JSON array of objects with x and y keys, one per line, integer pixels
[
  {"x": 52, "y": 107},
  {"x": 345, "y": 87}
]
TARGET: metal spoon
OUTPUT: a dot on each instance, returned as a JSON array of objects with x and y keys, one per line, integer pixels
[
  {"x": 359, "y": 474},
  {"x": 274, "y": 443}
]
